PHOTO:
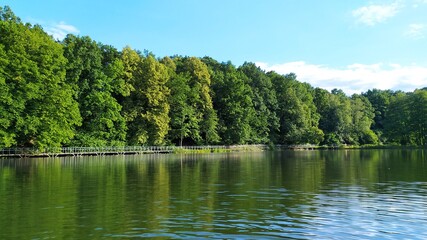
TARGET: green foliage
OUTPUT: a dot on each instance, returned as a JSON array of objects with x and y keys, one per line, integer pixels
[
  {"x": 396, "y": 124},
  {"x": 335, "y": 116},
  {"x": 133, "y": 105},
  {"x": 155, "y": 116},
  {"x": 7, "y": 135},
  {"x": 380, "y": 100},
  {"x": 183, "y": 116},
  {"x": 406, "y": 118},
  {"x": 79, "y": 92},
  {"x": 298, "y": 115},
  {"x": 362, "y": 119},
  {"x": 205, "y": 120},
  {"x": 147, "y": 108},
  {"x": 233, "y": 100},
  {"x": 36, "y": 105},
  {"x": 7, "y": 15},
  {"x": 418, "y": 116},
  {"x": 265, "y": 122},
  {"x": 96, "y": 77}
]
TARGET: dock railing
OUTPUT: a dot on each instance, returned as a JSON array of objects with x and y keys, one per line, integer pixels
[
  {"x": 127, "y": 150},
  {"x": 117, "y": 150}
]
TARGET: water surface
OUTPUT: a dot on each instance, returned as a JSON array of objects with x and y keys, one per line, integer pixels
[{"x": 345, "y": 194}]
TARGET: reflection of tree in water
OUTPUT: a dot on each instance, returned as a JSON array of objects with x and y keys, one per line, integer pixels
[{"x": 222, "y": 193}]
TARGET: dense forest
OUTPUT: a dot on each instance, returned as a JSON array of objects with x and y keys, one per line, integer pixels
[{"x": 78, "y": 92}]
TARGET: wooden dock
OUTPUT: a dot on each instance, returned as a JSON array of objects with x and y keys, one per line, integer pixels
[
  {"x": 84, "y": 151},
  {"x": 128, "y": 150},
  {"x": 134, "y": 150}
]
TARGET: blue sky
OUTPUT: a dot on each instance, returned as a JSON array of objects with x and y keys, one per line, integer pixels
[{"x": 352, "y": 45}]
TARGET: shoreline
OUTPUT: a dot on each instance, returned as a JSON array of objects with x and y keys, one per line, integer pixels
[{"x": 141, "y": 150}]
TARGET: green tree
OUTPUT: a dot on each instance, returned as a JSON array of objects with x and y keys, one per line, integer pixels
[
  {"x": 265, "y": 123},
  {"x": 114, "y": 68},
  {"x": 7, "y": 110},
  {"x": 95, "y": 80},
  {"x": 233, "y": 100},
  {"x": 298, "y": 115},
  {"x": 418, "y": 116},
  {"x": 156, "y": 115},
  {"x": 36, "y": 104},
  {"x": 184, "y": 117},
  {"x": 200, "y": 99},
  {"x": 396, "y": 123},
  {"x": 380, "y": 100},
  {"x": 147, "y": 108},
  {"x": 335, "y": 116},
  {"x": 362, "y": 119},
  {"x": 133, "y": 105},
  {"x": 405, "y": 121},
  {"x": 55, "y": 94}
]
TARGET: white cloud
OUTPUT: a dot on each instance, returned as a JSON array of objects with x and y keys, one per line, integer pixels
[
  {"x": 355, "y": 78},
  {"x": 417, "y": 3},
  {"x": 416, "y": 31},
  {"x": 60, "y": 30},
  {"x": 374, "y": 14}
]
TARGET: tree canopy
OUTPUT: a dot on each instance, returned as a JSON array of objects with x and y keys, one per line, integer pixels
[
  {"x": 79, "y": 92},
  {"x": 37, "y": 107}
]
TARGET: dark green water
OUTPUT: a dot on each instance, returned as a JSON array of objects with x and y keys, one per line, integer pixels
[{"x": 348, "y": 194}]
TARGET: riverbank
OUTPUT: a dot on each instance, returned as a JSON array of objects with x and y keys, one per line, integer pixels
[
  {"x": 125, "y": 150},
  {"x": 135, "y": 150}
]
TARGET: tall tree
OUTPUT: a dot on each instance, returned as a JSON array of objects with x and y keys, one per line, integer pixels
[
  {"x": 200, "y": 99},
  {"x": 233, "y": 100},
  {"x": 405, "y": 122},
  {"x": 147, "y": 108},
  {"x": 418, "y": 116},
  {"x": 184, "y": 122},
  {"x": 183, "y": 116},
  {"x": 96, "y": 80},
  {"x": 156, "y": 113},
  {"x": 133, "y": 105},
  {"x": 265, "y": 122},
  {"x": 335, "y": 116},
  {"x": 36, "y": 104},
  {"x": 380, "y": 100},
  {"x": 298, "y": 115},
  {"x": 397, "y": 121},
  {"x": 362, "y": 119}
]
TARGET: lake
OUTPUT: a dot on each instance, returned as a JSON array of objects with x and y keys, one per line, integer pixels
[{"x": 331, "y": 194}]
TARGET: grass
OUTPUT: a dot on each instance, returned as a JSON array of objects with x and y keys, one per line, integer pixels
[{"x": 242, "y": 148}]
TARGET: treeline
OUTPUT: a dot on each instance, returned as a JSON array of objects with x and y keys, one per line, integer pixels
[{"x": 78, "y": 92}]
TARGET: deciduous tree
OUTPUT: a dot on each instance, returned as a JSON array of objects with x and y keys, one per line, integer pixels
[
  {"x": 36, "y": 104},
  {"x": 95, "y": 81}
]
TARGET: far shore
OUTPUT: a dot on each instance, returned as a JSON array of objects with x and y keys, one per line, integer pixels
[{"x": 135, "y": 150}]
